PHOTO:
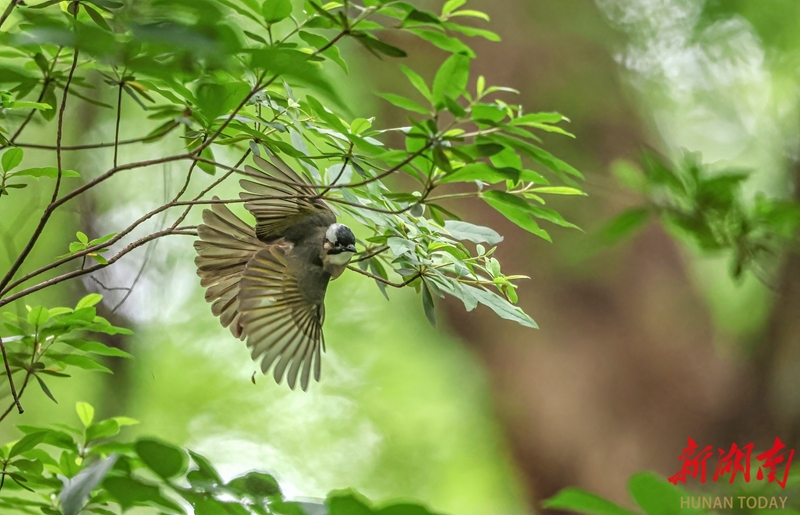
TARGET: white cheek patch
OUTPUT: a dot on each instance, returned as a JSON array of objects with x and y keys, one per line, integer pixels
[
  {"x": 340, "y": 259},
  {"x": 330, "y": 234}
]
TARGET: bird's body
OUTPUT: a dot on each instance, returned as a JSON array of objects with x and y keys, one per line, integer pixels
[{"x": 267, "y": 283}]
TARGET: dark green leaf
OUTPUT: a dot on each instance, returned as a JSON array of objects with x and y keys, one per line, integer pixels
[
  {"x": 27, "y": 443},
  {"x": 427, "y": 304},
  {"x": 162, "y": 458},
  {"x": 376, "y": 46},
  {"x": 132, "y": 492},
  {"x": 255, "y": 485},
  {"x": 347, "y": 503}
]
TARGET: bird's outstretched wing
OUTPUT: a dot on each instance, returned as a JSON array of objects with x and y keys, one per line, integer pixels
[
  {"x": 225, "y": 247},
  {"x": 282, "y": 323},
  {"x": 280, "y": 199}
]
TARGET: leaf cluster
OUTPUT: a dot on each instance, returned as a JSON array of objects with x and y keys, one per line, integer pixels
[
  {"x": 47, "y": 343},
  {"x": 249, "y": 76},
  {"x": 707, "y": 208},
  {"x": 66, "y": 470}
]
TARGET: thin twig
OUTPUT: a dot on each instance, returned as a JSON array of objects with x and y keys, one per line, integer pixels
[
  {"x": 93, "y": 146},
  {"x": 341, "y": 170},
  {"x": 116, "y": 128},
  {"x": 108, "y": 288},
  {"x": 370, "y": 255},
  {"x": 85, "y": 271},
  {"x": 10, "y": 378},
  {"x": 385, "y": 281}
]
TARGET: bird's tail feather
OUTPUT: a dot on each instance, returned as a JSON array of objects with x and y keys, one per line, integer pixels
[{"x": 225, "y": 246}]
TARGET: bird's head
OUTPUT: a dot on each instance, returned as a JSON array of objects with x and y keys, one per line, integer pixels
[{"x": 340, "y": 244}]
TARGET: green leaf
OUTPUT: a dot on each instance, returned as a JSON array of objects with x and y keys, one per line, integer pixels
[
  {"x": 575, "y": 499},
  {"x": 451, "y": 79},
  {"x": 38, "y": 316},
  {"x": 359, "y": 125},
  {"x": 558, "y": 190},
  {"x": 450, "y": 44},
  {"x": 624, "y": 225},
  {"x": 471, "y": 13},
  {"x": 655, "y": 495},
  {"x": 427, "y": 304},
  {"x": 47, "y": 171},
  {"x": 80, "y": 361},
  {"x": 404, "y": 103},
  {"x": 452, "y": 5},
  {"x": 255, "y": 485},
  {"x": 348, "y": 502},
  {"x": 164, "y": 459},
  {"x": 76, "y": 490},
  {"x": 207, "y": 167},
  {"x": 481, "y": 172},
  {"x": 131, "y": 492},
  {"x": 276, "y": 10},
  {"x": 473, "y": 233},
  {"x": 44, "y": 388},
  {"x": 85, "y": 413},
  {"x": 95, "y": 347},
  {"x": 12, "y": 158},
  {"x": 418, "y": 82},
  {"x": 102, "y": 429},
  {"x": 96, "y": 17},
  {"x": 89, "y": 300},
  {"x": 501, "y": 306},
  {"x": 83, "y": 239},
  {"x": 515, "y": 213},
  {"x": 376, "y": 46},
  {"x": 27, "y": 443},
  {"x": 489, "y": 112}
]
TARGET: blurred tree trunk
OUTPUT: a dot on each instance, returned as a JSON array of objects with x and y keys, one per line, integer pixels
[{"x": 623, "y": 368}]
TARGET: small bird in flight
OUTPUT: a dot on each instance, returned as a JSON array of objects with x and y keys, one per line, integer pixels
[{"x": 268, "y": 283}]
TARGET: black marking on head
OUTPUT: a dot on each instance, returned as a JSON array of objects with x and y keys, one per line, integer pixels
[{"x": 341, "y": 238}]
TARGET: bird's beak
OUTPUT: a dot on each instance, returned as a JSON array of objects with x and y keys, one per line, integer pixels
[{"x": 350, "y": 248}]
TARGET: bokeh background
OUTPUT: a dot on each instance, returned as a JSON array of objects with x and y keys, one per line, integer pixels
[{"x": 641, "y": 345}]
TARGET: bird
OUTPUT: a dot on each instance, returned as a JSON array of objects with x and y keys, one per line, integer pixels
[{"x": 267, "y": 283}]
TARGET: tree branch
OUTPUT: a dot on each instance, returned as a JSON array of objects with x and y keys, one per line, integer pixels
[
  {"x": 92, "y": 146},
  {"x": 10, "y": 378},
  {"x": 385, "y": 281}
]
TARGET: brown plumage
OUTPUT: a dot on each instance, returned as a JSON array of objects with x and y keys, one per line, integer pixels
[{"x": 267, "y": 284}]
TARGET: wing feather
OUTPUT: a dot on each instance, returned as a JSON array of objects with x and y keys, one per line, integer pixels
[
  {"x": 225, "y": 247},
  {"x": 282, "y": 327},
  {"x": 280, "y": 199}
]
